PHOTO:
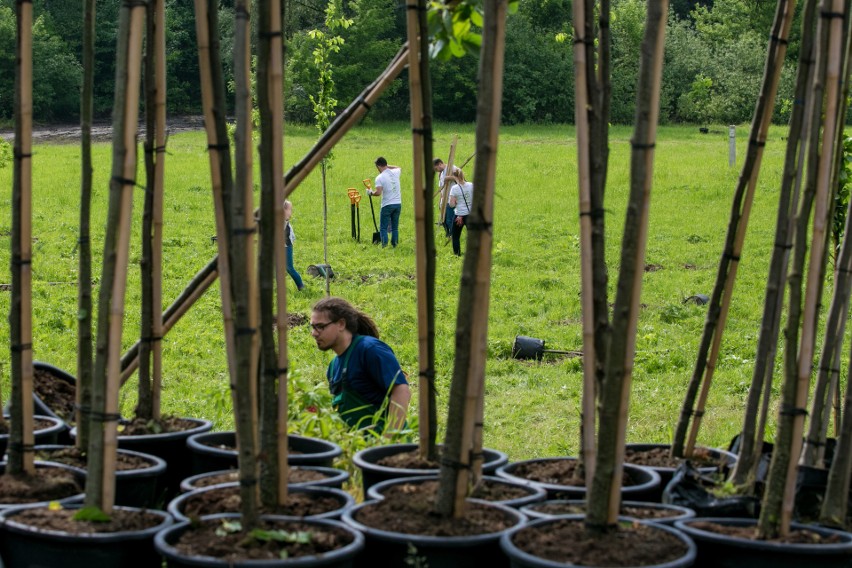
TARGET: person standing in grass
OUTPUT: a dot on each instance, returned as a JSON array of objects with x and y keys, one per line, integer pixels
[
  {"x": 461, "y": 197},
  {"x": 450, "y": 216},
  {"x": 289, "y": 238},
  {"x": 368, "y": 386},
  {"x": 388, "y": 187}
]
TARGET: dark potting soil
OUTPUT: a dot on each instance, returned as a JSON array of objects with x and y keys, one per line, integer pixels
[
  {"x": 227, "y": 500},
  {"x": 63, "y": 520},
  {"x": 802, "y": 536},
  {"x": 46, "y": 484},
  {"x": 632, "y": 544},
  {"x": 486, "y": 489},
  {"x": 73, "y": 456},
  {"x": 296, "y": 475},
  {"x": 579, "y": 509},
  {"x": 233, "y": 448},
  {"x": 559, "y": 472},
  {"x": 38, "y": 424},
  {"x": 144, "y": 427},
  {"x": 661, "y": 457},
  {"x": 208, "y": 539},
  {"x": 413, "y": 513},
  {"x": 408, "y": 460},
  {"x": 57, "y": 394}
]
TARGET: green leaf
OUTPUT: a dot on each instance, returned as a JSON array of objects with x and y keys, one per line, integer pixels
[
  {"x": 229, "y": 527},
  {"x": 93, "y": 514},
  {"x": 298, "y": 537}
]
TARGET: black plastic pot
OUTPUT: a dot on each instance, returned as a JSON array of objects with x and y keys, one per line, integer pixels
[
  {"x": 79, "y": 476},
  {"x": 41, "y": 406},
  {"x": 340, "y": 558},
  {"x": 207, "y": 457},
  {"x": 133, "y": 487},
  {"x": 392, "y": 549},
  {"x": 534, "y": 494},
  {"x": 645, "y": 488},
  {"x": 666, "y": 473},
  {"x": 536, "y": 510},
  {"x": 24, "y": 545},
  {"x": 522, "y": 559},
  {"x": 333, "y": 478},
  {"x": 723, "y": 551},
  {"x": 49, "y": 435},
  {"x": 372, "y": 473},
  {"x": 177, "y": 505}
]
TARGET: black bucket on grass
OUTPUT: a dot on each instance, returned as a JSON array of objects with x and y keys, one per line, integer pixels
[
  {"x": 320, "y": 270},
  {"x": 527, "y": 348}
]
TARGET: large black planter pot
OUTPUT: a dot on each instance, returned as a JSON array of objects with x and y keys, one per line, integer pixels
[
  {"x": 372, "y": 473},
  {"x": 394, "y": 550},
  {"x": 723, "y": 551},
  {"x": 333, "y": 478},
  {"x": 534, "y": 494},
  {"x": 539, "y": 510},
  {"x": 340, "y": 558},
  {"x": 50, "y": 435},
  {"x": 727, "y": 458},
  {"x": 22, "y": 545},
  {"x": 207, "y": 457},
  {"x": 645, "y": 488},
  {"x": 133, "y": 487},
  {"x": 79, "y": 476},
  {"x": 522, "y": 559},
  {"x": 177, "y": 505}
]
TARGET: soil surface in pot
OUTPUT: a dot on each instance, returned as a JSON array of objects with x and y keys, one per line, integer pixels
[
  {"x": 486, "y": 489},
  {"x": 63, "y": 520},
  {"x": 46, "y": 484},
  {"x": 57, "y": 394},
  {"x": 227, "y": 500},
  {"x": 166, "y": 424},
  {"x": 219, "y": 540},
  {"x": 632, "y": 544},
  {"x": 413, "y": 513},
  {"x": 661, "y": 457},
  {"x": 73, "y": 456},
  {"x": 233, "y": 448},
  {"x": 408, "y": 460},
  {"x": 296, "y": 475},
  {"x": 38, "y": 424},
  {"x": 796, "y": 536},
  {"x": 559, "y": 472},
  {"x": 635, "y": 512}
]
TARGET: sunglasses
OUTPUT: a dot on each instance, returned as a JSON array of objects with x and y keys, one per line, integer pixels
[{"x": 320, "y": 327}]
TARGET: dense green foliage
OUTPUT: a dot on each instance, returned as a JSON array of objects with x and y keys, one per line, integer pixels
[{"x": 714, "y": 60}]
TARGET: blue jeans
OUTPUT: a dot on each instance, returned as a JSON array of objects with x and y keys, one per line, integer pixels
[
  {"x": 449, "y": 219},
  {"x": 291, "y": 270},
  {"x": 390, "y": 222}
]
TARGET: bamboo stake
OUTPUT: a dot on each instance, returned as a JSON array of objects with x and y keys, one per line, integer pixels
[
  {"x": 729, "y": 262},
  {"x": 444, "y": 190},
  {"x": 835, "y": 502},
  {"x": 159, "y": 180},
  {"x": 472, "y": 320},
  {"x": 20, "y": 452},
  {"x": 83, "y": 394},
  {"x": 581, "y": 104},
  {"x": 604, "y": 497}
]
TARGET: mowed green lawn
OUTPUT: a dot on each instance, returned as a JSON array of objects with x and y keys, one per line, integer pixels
[{"x": 532, "y": 408}]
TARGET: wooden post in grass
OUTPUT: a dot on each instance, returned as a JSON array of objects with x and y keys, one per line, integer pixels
[
  {"x": 150, "y": 356},
  {"x": 776, "y": 512},
  {"x": 754, "y": 418},
  {"x": 20, "y": 451},
  {"x": 605, "y": 491},
  {"x": 444, "y": 191},
  {"x": 422, "y": 181},
  {"x": 581, "y": 106},
  {"x": 472, "y": 319},
  {"x": 83, "y": 391},
  {"x": 720, "y": 299},
  {"x": 272, "y": 276},
  {"x": 100, "y": 482}
]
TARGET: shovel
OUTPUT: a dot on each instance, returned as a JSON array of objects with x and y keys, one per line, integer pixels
[
  {"x": 377, "y": 236},
  {"x": 532, "y": 348}
]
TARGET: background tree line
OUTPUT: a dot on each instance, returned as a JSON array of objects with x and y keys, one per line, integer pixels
[{"x": 714, "y": 60}]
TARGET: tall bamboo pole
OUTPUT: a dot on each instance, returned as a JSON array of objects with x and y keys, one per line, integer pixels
[
  {"x": 20, "y": 449},
  {"x": 604, "y": 496},
  {"x": 472, "y": 319},
  {"x": 100, "y": 483},
  {"x": 444, "y": 190},
  {"x": 581, "y": 115},
  {"x": 720, "y": 299},
  {"x": 83, "y": 394}
]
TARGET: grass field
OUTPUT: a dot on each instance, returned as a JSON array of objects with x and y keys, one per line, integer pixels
[{"x": 532, "y": 408}]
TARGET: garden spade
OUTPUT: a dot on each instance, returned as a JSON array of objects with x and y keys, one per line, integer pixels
[{"x": 377, "y": 236}]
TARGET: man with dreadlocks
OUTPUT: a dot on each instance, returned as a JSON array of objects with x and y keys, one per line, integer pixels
[{"x": 368, "y": 386}]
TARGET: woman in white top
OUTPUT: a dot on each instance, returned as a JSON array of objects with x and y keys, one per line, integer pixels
[{"x": 461, "y": 197}]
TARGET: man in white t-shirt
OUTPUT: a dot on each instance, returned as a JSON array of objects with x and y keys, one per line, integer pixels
[{"x": 388, "y": 187}]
